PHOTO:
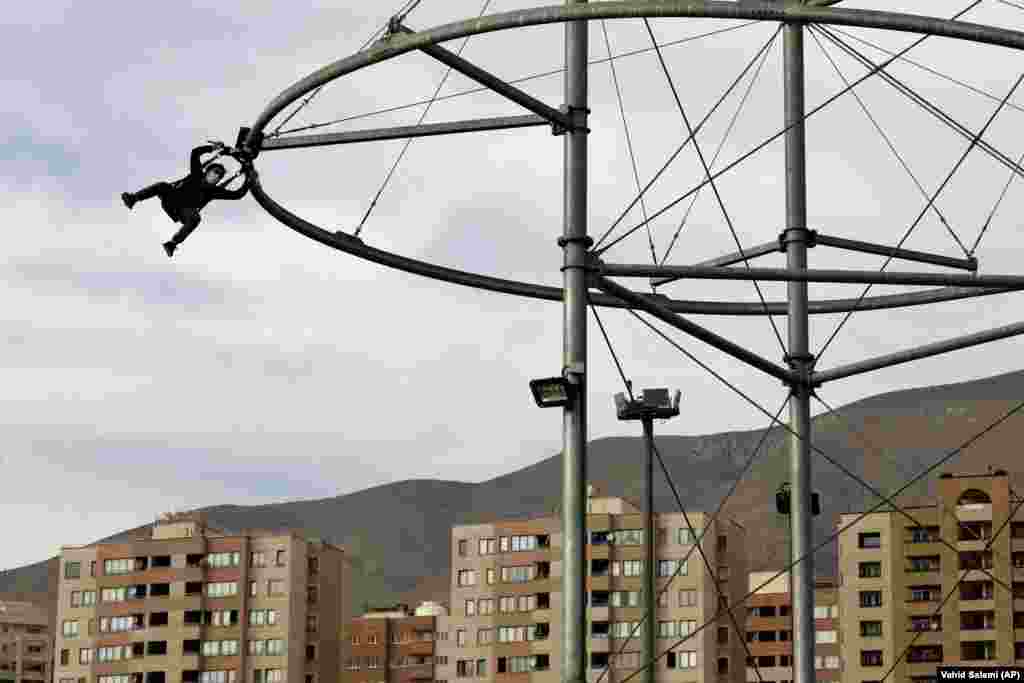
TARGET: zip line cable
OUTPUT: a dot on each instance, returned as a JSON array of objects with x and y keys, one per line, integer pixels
[
  {"x": 900, "y": 509},
  {"x": 832, "y": 537},
  {"x": 768, "y": 141},
  {"x": 611, "y": 350},
  {"x": 740, "y": 635},
  {"x": 714, "y": 188},
  {"x": 472, "y": 91},
  {"x": 928, "y": 69},
  {"x": 697, "y": 540},
  {"x": 408, "y": 141},
  {"x": 957, "y": 585},
  {"x": 888, "y": 142},
  {"x": 992, "y": 213},
  {"x": 924, "y": 211},
  {"x": 682, "y": 146},
  {"x": 629, "y": 139},
  {"x": 885, "y": 500},
  {"x": 721, "y": 145},
  {"x": 404, "y": 12},
  {"x": 923, "y": 102}
]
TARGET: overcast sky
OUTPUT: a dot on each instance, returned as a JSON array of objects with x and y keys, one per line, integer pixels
[{"x": 257, "y": 366}]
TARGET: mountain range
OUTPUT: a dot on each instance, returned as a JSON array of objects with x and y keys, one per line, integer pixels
[{"x": 398, "y": 534}]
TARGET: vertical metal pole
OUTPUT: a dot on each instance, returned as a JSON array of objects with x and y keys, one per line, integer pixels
[
  {"x": 799, "y": 358},
  {"x": 647, "y": 651},
  {"x": 574, "y": 243}
]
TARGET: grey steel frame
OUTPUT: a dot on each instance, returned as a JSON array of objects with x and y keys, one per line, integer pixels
[{"x": 580, "y": 272}]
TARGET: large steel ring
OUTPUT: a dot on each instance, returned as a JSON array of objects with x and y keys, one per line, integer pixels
[{"x": 401, "y": 43}]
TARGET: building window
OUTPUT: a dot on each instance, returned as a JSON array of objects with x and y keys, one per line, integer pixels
[
  {"x": 219, "y": 560},
  {"x": 492, "y": 576},
  {"x": 687, "y": 598},
  {"x": 523, "y": 543},
  {"x": 872, "y": 629},
  {"x": 723, "y": 634},
  {"x": 503, "y": 544},
  {"x": 682, "y": 660},
  {"x": 219, "y": 648},
  {"x": 85, "y": 655},
  {"x": 311, "y": 653},
  {"x": 120, "y": 566},
  {"x": 463, "y": 546},
  {"x": 222, "y": 589},
  {"x": 869, "y": 570},
  {"x": 279, "y": 558},
  {"x": 627, "y": 568},
  {"x": 270, "y": 647},
  {"x": 228, "y": 676},
  {"x": 821, "y": 611},
  {"x": 484, "y": 636},
  {"x": 268, "y": 676},
  {"x": 462, "y": 668},
  {"x": 252, "y": 589},
  {"x": 312, "y": 623},
  {"x": 668, "y": 568},
  {"x": 65, "y": 657},
  {"x": 312, "y": 595},
  {"x": 667, "y": 629},
  {"x": 460, "y": 637},
  {"x": 257, "y": 559},
  {"x": 488, "y": 546},
  {"x": 871, "y": 658},
  {"x": 275, "y": 587},
  {"x": 70, "y": 629},
  {"x": 481, "y": 668},
  {"x": 485, "y": 607},
  {"x": 870, "y": 598},
  {"x": 466, "y": 577},
  {"x": 223, "y": 617},
  {"x": 72, "y": 570},
  {"x": 869, "y": 540},
  {"x": 470, "y": 608},
  {"x": 314, "y": 566},
  {"x": 371, "y": 639},
  {"x": 516, "y": 574},
  {"x": 825, "y": 637}
]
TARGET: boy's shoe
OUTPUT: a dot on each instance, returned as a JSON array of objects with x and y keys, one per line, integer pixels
[
  {"x": 128, "y": 199},
  {"x": 169, "y": 247}
]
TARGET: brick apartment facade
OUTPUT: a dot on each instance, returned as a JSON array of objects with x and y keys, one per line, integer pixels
[
  {"x": 897, "y": 576},
  {"x": 25, "y": 640},
  {"x": 192, "y": 604},
  {"x": 391, "y": 646},
  {"x": 770, "y": 628},
  {"x": 506, "y": 587}
]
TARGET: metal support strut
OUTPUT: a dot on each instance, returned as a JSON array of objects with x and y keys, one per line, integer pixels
[
  {"x": 796, "y": 238},
  {"x": 574, "y": 357}
]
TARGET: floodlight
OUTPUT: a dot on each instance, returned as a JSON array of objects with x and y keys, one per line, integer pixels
[
  {"x": 552, "y": 392},
  {"x": 652, "y": 404}
]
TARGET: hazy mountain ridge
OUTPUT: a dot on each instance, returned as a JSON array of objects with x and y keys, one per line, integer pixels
[{"x": 399, "y": 534}]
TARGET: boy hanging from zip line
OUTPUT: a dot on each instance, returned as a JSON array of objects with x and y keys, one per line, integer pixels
[{"x": 183, "y": 199}]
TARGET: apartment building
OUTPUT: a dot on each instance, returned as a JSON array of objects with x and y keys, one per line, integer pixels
[
  {"x": 392, "y": 645},
  {"x": 905, "y": 590},
  {"x": 194, "y": 604},
  {"x": 25, "y": 641},
  {"x": 770, "y": 629},
  {"x": 506, "y": 608}
]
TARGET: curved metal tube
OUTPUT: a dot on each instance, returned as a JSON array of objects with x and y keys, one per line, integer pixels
[
  {"x": 356, "y": 247},
  {"x": 623, "y": 9},
  {"x": 632, "y": 9}
]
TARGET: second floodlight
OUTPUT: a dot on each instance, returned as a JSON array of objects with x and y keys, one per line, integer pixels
[{"x": 655, "y": 404}]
